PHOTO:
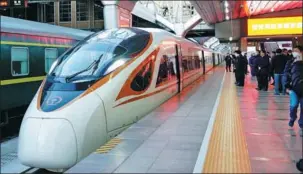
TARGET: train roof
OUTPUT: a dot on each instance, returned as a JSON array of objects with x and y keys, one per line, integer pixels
[
  {"x": 15, "y": 25},
  {"x": 157, "y": 30}
]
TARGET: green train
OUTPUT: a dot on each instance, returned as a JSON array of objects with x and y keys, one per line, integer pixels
[{"x": 28, "y": 50}]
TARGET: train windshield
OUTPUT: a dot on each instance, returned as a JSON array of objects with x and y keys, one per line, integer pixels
[{"x": 99, "y": 54}]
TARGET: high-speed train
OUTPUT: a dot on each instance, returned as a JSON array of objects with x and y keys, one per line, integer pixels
[{"x": 99, "y": 87}]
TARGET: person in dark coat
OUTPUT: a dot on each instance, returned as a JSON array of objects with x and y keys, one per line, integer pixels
[
  {"x": 277, "y": 68},
  {"x": 289, "y": 52},
  {"x": 241, "y": 68},
  {"x": 234, "y": 62},
  {"x": 273, "y": 54},
  {"x": 228, "y": 63},
  {"x": 262, "y": 64},
  {"x": 252, "y": 64},
  {"x": 294, "y": 82}
]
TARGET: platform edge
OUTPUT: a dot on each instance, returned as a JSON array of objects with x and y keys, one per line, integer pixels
[{"x": 204, "y": 147}]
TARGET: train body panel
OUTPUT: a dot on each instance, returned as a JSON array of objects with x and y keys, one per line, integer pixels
[
  {"x": 145, "y": 68},
  {"x": 62, "y": 149},
  {"x": 86, "y": 118}
]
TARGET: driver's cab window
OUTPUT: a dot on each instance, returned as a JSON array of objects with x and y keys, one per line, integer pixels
[{"x": 143, "y": 78}]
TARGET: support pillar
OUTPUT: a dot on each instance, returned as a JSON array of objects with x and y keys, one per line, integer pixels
[
  {"x": 56, "y": 12},
  {"x": 179, "y": 29},
  {"x": 73, "y": 14},
  {"x": 91, "y": 16},
  {"x": 243, "y": 44},
  {"x": 110, "y": 16}
]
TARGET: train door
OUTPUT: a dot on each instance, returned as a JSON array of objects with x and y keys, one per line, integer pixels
[
  {"x": 178, "y": 60},
  {"x": 203, "y": 63}
]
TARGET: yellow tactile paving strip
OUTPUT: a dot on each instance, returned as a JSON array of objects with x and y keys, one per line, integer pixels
[
  {"x": 227, "y": 149},
  {"x": 108, "y": 146}
]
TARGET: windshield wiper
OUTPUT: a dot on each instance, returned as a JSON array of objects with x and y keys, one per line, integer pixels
[{"x": 95, "y": 64}]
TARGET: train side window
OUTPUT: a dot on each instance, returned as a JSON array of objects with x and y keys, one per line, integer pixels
[
  {"x": 143, "y": 79},
  {"x": 167, "y": 69},
  {"x": 19, "y": 61},
  {"x": 50, "y": 56}
]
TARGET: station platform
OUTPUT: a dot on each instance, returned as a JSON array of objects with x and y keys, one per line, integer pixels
[{"x": 212, "y": 126}]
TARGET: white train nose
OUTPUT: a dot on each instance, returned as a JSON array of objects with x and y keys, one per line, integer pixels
[{"x": 47, "y": 143}]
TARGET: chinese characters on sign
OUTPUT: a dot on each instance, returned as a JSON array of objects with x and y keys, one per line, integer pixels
[{"x": 275, "y": 26}]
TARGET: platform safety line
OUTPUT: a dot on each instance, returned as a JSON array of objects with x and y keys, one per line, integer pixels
[
  {"x": 109, "y": 146},
  {"x": 204, "y": 147},
  {"x": 227, "y": 151}
]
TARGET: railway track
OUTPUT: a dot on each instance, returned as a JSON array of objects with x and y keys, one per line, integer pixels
[{"x": 38, "y": 171}]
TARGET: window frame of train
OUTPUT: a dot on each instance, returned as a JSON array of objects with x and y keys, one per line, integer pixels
[
  {"x": 143, "y": 88},
  {"x": 47, "y": 68},
  {"x": 171, "y": 54},
  {"x": 12, "y": 66}
]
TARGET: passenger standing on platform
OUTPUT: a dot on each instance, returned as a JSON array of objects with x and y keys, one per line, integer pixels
[
  {"x": 234, "y": 61},
  {"x": 273, "y": 54},
  {"x": 294, "y": 82},
  {"x": 277, "y": 67},
  {"x": 262, "y": 64},
  {"x": 241, "y": 68},
  {"x": 228, "y": 63},
  {"x": 289, "y": 53},
  {"x": 252, "y": 65}
]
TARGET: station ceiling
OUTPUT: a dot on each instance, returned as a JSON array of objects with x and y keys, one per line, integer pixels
[{"x": 215, "y": 11}]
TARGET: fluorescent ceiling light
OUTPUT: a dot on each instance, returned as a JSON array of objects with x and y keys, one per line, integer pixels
[
  {"x": 227, "y": 18},
  {"x": 226, "y": 10}
]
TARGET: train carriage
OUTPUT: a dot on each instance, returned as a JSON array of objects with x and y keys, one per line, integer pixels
[{"x": 28, "y": 49}]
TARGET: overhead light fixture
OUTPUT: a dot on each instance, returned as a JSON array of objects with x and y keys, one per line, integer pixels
[
  {"x": 272, "y": 9},
  {"x": 227, "y": 17},
  {"x": 226, "y": 4},
  {"x": 230, "y": 38},
  {"x": 267, "y": 38},
  {"x": 226, "y": 10}
]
